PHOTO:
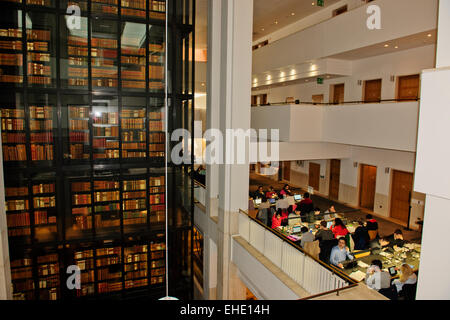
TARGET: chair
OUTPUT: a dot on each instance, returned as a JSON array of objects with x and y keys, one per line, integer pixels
[
  {"x": 408, "y": 292},
  {"x": 312, "y": 248},
  {"x": 325, "y": 250},
  {"x": 373, "y": 234},
  {"x": 390, "y": 293}
]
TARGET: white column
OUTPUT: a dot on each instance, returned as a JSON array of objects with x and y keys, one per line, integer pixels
[
  {"x": 432, "y": 171},
  {"x": 5, "y": 269},
  {"x": 228, "y": 107}
]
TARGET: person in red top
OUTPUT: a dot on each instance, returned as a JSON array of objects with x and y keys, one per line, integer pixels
[
  {"x": 276, "y": 220},
  {"x": 339, "y": 229},
  {"x": 271, "y": 193}
]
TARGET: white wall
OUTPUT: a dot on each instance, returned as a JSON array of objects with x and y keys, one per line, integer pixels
[
  {"x": 401, "y": 63},
  {"x": 320, "y": 16},
  {"x": 348, "y": 32}
]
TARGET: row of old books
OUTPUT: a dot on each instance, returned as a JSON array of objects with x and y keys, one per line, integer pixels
[
  {"x": 106, "y": 196},
  {"x": 79, "y": 137},
  {"x": 134, "y": 185},
  {"x": 11, "y": 59},
  {"x": 106, "y": 131},
  {"x": 157, "y": 138},
  {"x": 15, "y": 153},
  {"x": 44, "y": 202},
  {"x": 106, "y": 118},
  {"x": 13, "y": 124},
  {"x": 14, "y": 138},
  {"x": 44, "y": 188},
  {"x": 41, "y": 153},
  {"x": 138, "y": 123},
  {"x": 136, "y": 204},
  {"x": 128, "y": 136},
  {"x": 45, "y": 137},
  {"x": 133, "y": 154},
  {"x": 134, "y": 146},
  {"x": 41, "y": 112},
  {"x": 103, "y": 185},
  {"x": 107, "y": 154},
  {"x": 104, "y": 143}
]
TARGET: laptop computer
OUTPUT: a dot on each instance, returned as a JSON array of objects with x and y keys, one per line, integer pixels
[
  {"x": 296, "y": 229},
  {"x": 297, "y": 197},
  {"x": 329, "y": 224},
  {"x": 258, "y": 202},
  {"x": 272, "y": 201}
]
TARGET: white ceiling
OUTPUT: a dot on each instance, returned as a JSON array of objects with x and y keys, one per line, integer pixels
[{"x": 266, "y": 12}]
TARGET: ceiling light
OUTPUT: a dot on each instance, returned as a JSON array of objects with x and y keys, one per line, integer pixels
[
  {"x": 386, "y": 45},
  {"x": 292, "y": 13},
  {"x": 396, "y": 47},
  {"x": 262, "y": 29},
  {"x": 269, "y": 77},
  {"x": 312, "y": 3},
  {"x": 276, "y": 22},
  {"x": 429, "y": 35}
]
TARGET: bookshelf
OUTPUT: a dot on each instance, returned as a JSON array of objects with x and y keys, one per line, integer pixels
[
  {"x": 40, "y": 49},
  {"x": 83, "y": 141},
  {"x": 107, "y": 204}
]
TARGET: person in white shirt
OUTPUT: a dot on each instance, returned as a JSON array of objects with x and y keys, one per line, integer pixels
[
  {"x": 407, "y": 276},
  {"x": 376, "y": 278}
]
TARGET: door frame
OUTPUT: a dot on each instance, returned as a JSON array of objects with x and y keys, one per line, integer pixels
[{"x": 391, "y": 194}]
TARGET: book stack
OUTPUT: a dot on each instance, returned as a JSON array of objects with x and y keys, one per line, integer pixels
[
  {"x": 105, "y": 6},
  {"x": 136, "y": 268},
  {"x": 81, "y": 208},
  {"x": 108, "y": 269},
  {"x": 48, "y": 277},
  {"x": 22, "y": 279},
  {"x": 11, "y": 59},
  {"x": 79, "y": 132}
]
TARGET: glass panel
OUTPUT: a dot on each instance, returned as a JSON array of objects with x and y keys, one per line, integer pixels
[
  {"x": 157, "y": 200},
  {"x": 83, "y": 4},
  {"x": 79, "y": 220},
  {"x": 14, "y": 136},
  {"x": 22, "y": 274},
  {"x": 41, "y": 49},
  {"x": 134, "y": 204},
  {"x": 134, "y": 8},
  {"x": 11, "y": 53},
  {"x": 105, "y": 119},
  {"x": 82, "y": 255},
  {"x": 109, "y": 269},
  {"x": 75, "y": 128},
  {"x": 43, "y": 123},
  {"x": 133, "y": 128},
  {"x": 133, "y": 56},
  {"x": 157, "y": 9},
  {"x": 156, "y": 52},
  {"x": 136, "y": 266},
  {"x": 74, "y": 55},
  {"x": 157, "y": 263},
  {"x": 105, "y": 7},
  {"x": 48, "y": 276},
  {"x": 156, "y": 129},
  {"x": 44, "y": 207},
  {"x": 17, "y": 208},
  {"x": 107, "y": 204},
  {"x": 104, "y": 54}
]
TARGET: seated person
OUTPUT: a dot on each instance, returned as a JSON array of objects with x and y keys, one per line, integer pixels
[
  {"x": 340, "y": 253},
  {"x": 371, "y": 223},
  {"x": 306, "y": 236},
  {"x": 276, "y": 220},
  {"x": 339, "y": 229},
  {"x": 317, "y": 214},
  {"x": 376, "y": 278},
  {"x": 306, "y": 205},
  {"x": 383, "y": 244},
  {"x": 271, "y": 193},
  {"x": 361, "y": 237},
  {"x": 286, "y": 191},
  {"x": 260, "y": 194},
  {"x": 324, "y": 233},
  {"x": 331, "y": 209},
  {"x": 396, "y": 239},
  {"x": 407, "y": 276}
]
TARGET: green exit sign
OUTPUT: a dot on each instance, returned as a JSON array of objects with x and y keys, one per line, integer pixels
[
  {"x": 319, "y": 80},
  {"x": 320, "y": 3}
]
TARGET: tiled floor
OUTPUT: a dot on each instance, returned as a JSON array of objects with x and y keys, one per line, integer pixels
[{"x": 385, "y": 227}]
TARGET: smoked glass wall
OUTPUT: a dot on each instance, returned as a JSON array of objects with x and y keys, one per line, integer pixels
[{"x": 83, "y": 134}]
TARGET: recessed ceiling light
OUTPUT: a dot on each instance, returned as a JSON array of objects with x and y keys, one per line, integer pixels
[
  {"x": 429, "y": 35},
  {"x": 396, "y": 47},
  {"x": 328, "y": 77},
  {"x": 312, "y": 3},
  {"x": 276, "y": 22},
  {"x": 292, "y": 13},
  {"x": 386, "y": 45},
  {"x": 262, "y": 29},
  {"x": 306, "y": 80}
]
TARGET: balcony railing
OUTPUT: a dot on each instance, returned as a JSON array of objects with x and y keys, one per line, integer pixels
[
  {"x": 298, "y": 102},
  {"x": 200, "y": 193},
  {"x": 311, "y": 274}
]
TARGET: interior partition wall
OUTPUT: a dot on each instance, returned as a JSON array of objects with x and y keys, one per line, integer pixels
[{"x": 86, "y": 120}]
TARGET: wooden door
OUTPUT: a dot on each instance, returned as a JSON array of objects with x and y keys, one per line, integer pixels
[
  {"x": 402, "y": 185},
  {"x": 314, "y": 175},
  {"x": 408, "y": 87},
  {"x": 263, "y": 99},
  {"x": 368, "y": 181},
  {"x": 335, "y": 178},
  {"x": 254, "y": 100},
  {"x": 372, "y": 91},
  {"x": 338, "y": 93},
  {"x": 287, "y": 170}
]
